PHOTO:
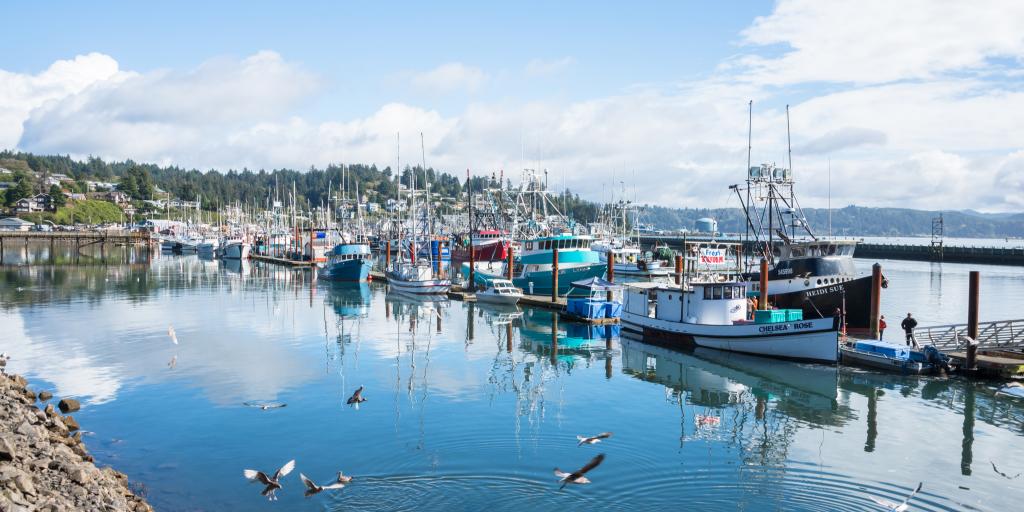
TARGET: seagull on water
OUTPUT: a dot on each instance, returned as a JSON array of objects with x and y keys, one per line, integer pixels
[
  {"x": 356, "y": 397},
  {"x": 265, "y": 405},
  {"x": 342, "y": 479},
  {"x": 892, "y": 506},
  {"x": 312, "y": 488},
  {"x": 592, "y": 439},
  {"x": 576, "y": 477},
  {"x": 272, "y": 482},
  {"x": 170, "y": 332}
]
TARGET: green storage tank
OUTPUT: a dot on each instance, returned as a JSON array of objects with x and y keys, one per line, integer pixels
[
  {"x": 769, "y": 316},
  {"x": 793, "y": 315}
]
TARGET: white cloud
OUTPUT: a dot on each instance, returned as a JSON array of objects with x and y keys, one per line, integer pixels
[
  {"x": 21, "y": 93},
  {"x": 541, "y": 67},
  {"x": 877, "y": 41},
  {"x": 450, "y": 77}
]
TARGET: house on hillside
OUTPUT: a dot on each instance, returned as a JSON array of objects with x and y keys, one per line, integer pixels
[
  {"x": 112, "y": 196},
  {"x": 15, "y": 224},
  {"x": 36, "y": 203}
]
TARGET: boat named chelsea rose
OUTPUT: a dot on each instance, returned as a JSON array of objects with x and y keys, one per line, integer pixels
[{"x": 713, "y": 313}]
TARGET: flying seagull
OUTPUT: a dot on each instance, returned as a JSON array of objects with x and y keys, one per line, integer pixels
[
  {"x": 1000, "y": 473},
  {"x": 356, "y": 397},
  {"x": 170, "y": 332},
  {"x": 272, "y": 482},
  {"x": 592, "y": 439},
  {"x": 576, "y": 477},
  {"x": 265, "y": 405},
  {"x": 892, "y": 506},
  {"x": 312, "y": 488}
]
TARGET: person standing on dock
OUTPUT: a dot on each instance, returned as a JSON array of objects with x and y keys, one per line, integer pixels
[
  {"x": 908, "y": 325},
  {"x": 881, "y": 328}
]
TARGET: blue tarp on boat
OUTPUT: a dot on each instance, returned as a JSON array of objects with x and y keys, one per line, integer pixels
[{"x": 884, "y": 348}]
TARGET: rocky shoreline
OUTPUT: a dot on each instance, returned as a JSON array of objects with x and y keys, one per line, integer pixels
[{"x": 43, "y": 463}]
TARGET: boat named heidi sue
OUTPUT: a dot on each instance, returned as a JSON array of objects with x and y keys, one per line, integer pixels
[{"x": 715, "y": 314}]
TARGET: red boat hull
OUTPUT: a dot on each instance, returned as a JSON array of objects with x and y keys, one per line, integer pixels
[{"x": 493, "y": 251}]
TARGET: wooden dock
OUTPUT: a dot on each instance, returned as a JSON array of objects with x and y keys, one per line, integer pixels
[
  {"x": 282, "y": 261},
  {"x": 996, "y": 364},
  {"x": 82, "y": 238}
]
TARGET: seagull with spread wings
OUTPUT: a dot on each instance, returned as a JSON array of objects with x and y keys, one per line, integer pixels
[
  {"x": 312, "y": 488},
  {"x": 272, "y": 482},
  {"x": 592, "y": 439},
  {"x": 892, "y": 506},
  {"x": 356, "y": 397},
  {"x": 576, "y": 477}
]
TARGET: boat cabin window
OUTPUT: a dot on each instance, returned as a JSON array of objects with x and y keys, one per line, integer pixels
[
  {"x": 727, "y": 292},
  {"x": 716, "y": 292},
  {"x": 707, "y": 293},
  {"x": 796, "y": 252},
  {"x": 529, "y": 246}
]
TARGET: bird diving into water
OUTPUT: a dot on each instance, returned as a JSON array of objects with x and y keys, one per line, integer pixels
[
  {"x": 356, "y": 397},
  {"x": 892, "y": 506},
  {"x": 312, "y": 488},
  {"x": 576, "y": 477},
  {"x": 170, "y": 332},
  {"x": 592, "y": 439},
  {"x": 272, "y": 482}
]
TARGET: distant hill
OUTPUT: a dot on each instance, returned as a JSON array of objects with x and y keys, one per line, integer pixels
[{"x": 857, "y": 221}]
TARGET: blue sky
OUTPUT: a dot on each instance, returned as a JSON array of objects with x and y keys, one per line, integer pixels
[{"x": 891, "y": 95}]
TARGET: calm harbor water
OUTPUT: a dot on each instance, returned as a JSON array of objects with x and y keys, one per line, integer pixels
[{"x": 470, "y": 408}]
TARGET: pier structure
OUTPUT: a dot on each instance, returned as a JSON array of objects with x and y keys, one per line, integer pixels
[{"x": 938, "y": 251}]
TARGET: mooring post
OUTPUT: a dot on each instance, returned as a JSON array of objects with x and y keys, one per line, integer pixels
[
  {"x": 511, "y": 262},
  {"x": 972, "y": 320},
  {"x": 554, "y": 273},
  {"x": 762, "y": 303},
  {"x": 472, "y": 265},
  {"x": 679, "y": 269},
  {"x": 876, "y": 298},
  {"x": 611, "y": 266},
  {"x": 387, "y": 255}
]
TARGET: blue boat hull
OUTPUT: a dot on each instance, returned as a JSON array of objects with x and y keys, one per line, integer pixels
[{"x": 350, "y": 270}]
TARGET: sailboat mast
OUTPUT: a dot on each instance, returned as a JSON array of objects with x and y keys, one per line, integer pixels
[{"x": 792, "y": 202}]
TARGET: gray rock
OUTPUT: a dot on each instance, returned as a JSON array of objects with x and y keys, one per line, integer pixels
[
  {"x": 71, "y": 423},
  {"x": 40, "y": 415},
  {"x": 45, "y": 395},
  {"x": 24, "y": 483},
  {"x": 58, "y": 426},
  {"x": 79, "y": 475},
  {"x": 19, "y": 381},
  {"x": 7, "y": 450},
  {"x": 27, "y": 430},
  {"x": 67, "y": 405}
]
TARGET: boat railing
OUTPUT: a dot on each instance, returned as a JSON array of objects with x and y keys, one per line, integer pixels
[{"x": 1002, "y": 334}]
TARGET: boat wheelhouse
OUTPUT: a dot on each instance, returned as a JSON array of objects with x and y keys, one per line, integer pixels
[{"x": 532, "y": 268}]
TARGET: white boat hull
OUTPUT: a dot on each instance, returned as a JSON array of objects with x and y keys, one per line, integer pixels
[
  {"x": 490, "y": 298},
  {"x": 806, "y": 340},
  {"x": 431, "y": 287}
]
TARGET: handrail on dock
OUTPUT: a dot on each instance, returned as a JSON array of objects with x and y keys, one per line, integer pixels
[{"x": 1001, "y": 334}]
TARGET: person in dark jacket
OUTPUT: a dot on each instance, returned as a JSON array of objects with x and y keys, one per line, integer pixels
[{"x": 908, "y": 325}]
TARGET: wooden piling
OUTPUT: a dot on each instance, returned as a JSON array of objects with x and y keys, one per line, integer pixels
[
  {"x": 471, "y": 285},
  {"x": 611, "y": 266},
  {"x": 387, "y": 255},
  {"x": 511, "y": 262},
  {"x": 876, "y": 299},
  {"x": 679, "y": 269},
  {"x": 972, "y": 319},
  {"x": 762, "y": 303},
  {"x": 554, "y": 274}
]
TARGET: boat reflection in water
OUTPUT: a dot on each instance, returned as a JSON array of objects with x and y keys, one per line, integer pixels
[
  {"x": 732, "y": 393},
  {"x": 567, "y": 344},
  {"x": 349, "y": 299}
]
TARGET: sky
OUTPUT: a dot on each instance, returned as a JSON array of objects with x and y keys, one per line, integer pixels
[{"x": 894, "y": 104}]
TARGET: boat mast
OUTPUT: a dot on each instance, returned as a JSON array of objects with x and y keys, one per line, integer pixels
[
  {"x": 430, "y": 246},
  {"x": 746, "y": 207},
  {"x": 792, "y": 199},
  {"x": 398, "y": 190}
]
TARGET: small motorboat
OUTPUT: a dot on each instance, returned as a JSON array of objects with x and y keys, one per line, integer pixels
[
  {"x": 501, "y": 291},
  {"x": 891, "y": 356}
]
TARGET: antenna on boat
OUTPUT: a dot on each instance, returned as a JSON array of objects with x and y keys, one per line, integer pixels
[
  {"x": 830, "y": 197},
  {"x": 750, "y": 129}
]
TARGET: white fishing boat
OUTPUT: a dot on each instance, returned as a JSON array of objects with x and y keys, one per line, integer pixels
[
  {"x": 501, "y": 291},
  {"x": 714, "y": 313},
  {"x": 629, "y": 259},
  {"x": 417, "y": 279}
]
